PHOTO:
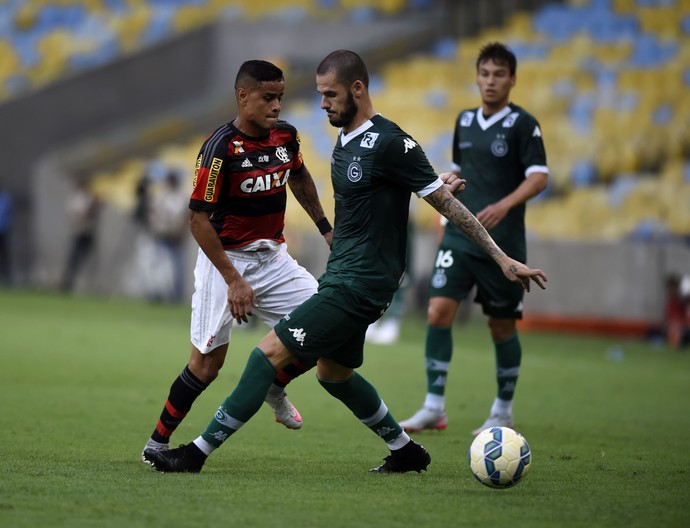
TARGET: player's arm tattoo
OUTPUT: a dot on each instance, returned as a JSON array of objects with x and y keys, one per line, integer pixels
[
  {"x": 456, "y": 213},
  {"x": 303, "y": 188}
]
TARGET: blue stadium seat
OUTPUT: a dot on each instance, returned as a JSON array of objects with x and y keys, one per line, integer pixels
[
  {"x": 529, "y": 50},
  {"x": 655, "y": 3},
  {"x": 649, "y": 52},
  {"x": 445, "y": 49},
  {"x": 53, "y": 16},
  {"x": 25, "y": 45},
  {"x": 685, "y": 24},
  {"x": 663, "y": 114},
  {"x": 583, "y": 174},
  {"x": 581, "y": 113},
  {"x": 160, "y": 26}
]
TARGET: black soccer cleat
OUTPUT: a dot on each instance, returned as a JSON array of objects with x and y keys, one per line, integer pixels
[
  {"x": 184, "y": 459},
  {"x": 412, "y": 457}
]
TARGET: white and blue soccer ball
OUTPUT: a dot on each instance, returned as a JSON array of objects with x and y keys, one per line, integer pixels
[{"x": 499, "y": 457}]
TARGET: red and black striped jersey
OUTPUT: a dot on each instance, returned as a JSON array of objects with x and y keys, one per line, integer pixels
[{"x": 241, "y": 181}]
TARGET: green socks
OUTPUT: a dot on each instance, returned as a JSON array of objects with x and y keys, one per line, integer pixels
[
  {"x": 508, "y": 358},
  {"x": 244, "y": 401},
  {"x": 438, "y": 353},
  {"x": 361, "y": 398}
]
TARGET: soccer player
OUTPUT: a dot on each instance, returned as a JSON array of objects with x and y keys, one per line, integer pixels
[
  {"x": 498, "y": 150},
  {"x": 243, "y": 267},
  {"x": 374, "y": 169}
]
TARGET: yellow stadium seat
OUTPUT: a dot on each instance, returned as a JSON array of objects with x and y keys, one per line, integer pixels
[
  {"x": 131, "y": 27},
  {"x": 663, "y": 21},
  {"x": 10, "y": 63},
  {"x": 54, "y": 49}
]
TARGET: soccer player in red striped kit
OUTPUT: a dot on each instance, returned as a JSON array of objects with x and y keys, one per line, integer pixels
[{"x": 237, "y": 215}]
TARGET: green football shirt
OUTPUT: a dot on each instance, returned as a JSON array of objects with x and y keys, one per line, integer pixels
[
  {"x": 374, "y": 169},
  {"x": 495, "y": 155}
]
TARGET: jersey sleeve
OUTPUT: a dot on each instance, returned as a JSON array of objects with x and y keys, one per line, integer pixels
[
  {"x": 409, "y": 167},
  {"x": 531, "y": 145},
  {"x": 209, "y": 174}
]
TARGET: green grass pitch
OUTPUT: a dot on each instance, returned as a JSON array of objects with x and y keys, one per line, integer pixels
[{"x": 82, "y": 382}]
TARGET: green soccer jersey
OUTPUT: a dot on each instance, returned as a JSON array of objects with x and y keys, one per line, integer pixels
[
  {"x": 495, "y": 155},
  {"x": 373, "y": 170}
]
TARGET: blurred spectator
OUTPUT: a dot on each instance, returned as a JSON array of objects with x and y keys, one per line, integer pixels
[
  {"x": 141, "y": 207},
  {"x": 83, "y": 208},
  {"x": 168, "y": 223},
  {"x": 677, "y": 311},
  {"x": 5, "y": 226}
]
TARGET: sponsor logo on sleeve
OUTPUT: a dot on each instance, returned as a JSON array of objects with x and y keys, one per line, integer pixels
[
  {"x": 196, "y": 170},
  {"x": 212, "y": 179},
  {"x": 409, "y": 145}
]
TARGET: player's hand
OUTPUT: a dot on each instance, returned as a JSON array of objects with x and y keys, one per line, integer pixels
[
  {"x": 453, "y": 182},
  {"x": 328, "y": 237},
  {"x": 518, "y": 272},
  {"x": 241, "y": 300},
  {"x": 492, "y": 215}
]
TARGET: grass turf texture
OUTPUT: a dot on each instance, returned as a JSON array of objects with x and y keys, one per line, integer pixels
[{"x": 82, "y": 382}]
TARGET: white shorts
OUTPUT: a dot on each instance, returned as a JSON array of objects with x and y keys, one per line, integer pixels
[{"x": 279, "y": 283}]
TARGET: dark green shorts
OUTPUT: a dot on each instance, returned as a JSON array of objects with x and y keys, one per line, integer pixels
[
  {"x": 331, "y": 324},
  {"x": 455, "y": 273}
]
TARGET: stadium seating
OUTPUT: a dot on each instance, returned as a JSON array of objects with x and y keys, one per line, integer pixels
[
  {"x": 608, "y": 80},
  {"x": 55, "y": 38}
]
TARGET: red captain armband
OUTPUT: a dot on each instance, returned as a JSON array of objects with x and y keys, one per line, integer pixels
[{"x": 324, "y": 226}]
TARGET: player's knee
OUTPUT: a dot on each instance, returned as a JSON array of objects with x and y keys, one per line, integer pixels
[
  {"x": 501, "y": 329},
  {"x": 328, "y": 371},
  {"x": 206, "y": 367},
  {"x": 275, "y": 351},
  {"x": 205, "y": 372},
  {"x": 441, "y": 313}
]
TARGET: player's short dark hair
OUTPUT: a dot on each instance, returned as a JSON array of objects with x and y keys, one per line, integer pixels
[
  {"x": 347, "y": 65},
  {"x": 259, "y": 71},
  {"x": 498, "y": 53}
]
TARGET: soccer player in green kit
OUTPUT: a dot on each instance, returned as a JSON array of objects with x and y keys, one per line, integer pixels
[
  {"x": 498, "y": 150},
  {"x": 374, "y": 169}
]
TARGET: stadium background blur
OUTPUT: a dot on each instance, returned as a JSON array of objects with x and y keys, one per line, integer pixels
[{"x": 109, "y": 91}]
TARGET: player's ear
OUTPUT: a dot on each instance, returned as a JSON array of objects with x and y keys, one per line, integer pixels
[
  {"x": 357, "y": 88},
  {"x": 241, "y": 94}
]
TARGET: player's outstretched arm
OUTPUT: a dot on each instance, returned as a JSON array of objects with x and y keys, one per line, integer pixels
[{"x": 445, "y": 203}]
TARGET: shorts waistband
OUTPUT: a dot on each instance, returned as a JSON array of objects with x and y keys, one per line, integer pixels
[{"x": 254, "y": 254}]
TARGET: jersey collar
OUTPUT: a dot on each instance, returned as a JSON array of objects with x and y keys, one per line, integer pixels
[
  {"x": 486, "y": 123},
  {"x": 346, "y": 138}
]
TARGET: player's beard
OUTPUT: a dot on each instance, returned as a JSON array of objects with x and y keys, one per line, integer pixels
[{"x": 344, "y": 118}]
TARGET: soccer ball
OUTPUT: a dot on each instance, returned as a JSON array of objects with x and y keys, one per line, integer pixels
[{"x": 499, "y": 457}]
